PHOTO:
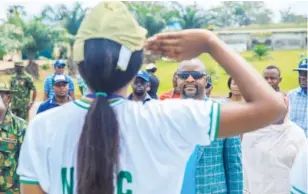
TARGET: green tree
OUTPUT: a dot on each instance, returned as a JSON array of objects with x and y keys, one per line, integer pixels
[
  {"x": 261, "y": 51},
  {"x": 38, "y": 36},
  {"x": 190, "y": 16},
  {"x": 11, "y": 38},
  {"x": 286, "y": 16},
  {"x": 148, "y": 15},
  {"x": 70, "y": 18}
]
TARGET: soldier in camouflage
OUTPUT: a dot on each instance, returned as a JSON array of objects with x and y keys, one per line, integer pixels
[
  {"x": 12, "y": 130},
  {"x": 23, "y": 84}
]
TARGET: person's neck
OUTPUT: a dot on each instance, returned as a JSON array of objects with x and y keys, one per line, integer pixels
[
  {"x": 236, "y": 98},
  {"x": 138, "y": 98},
  {"x": 61, "y": 100}
]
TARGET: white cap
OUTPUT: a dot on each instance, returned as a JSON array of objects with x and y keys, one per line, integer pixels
[{"x": 150, "y": 66}]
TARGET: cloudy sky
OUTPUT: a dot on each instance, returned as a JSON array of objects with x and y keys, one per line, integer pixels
[{"x": 35, "y": 6}]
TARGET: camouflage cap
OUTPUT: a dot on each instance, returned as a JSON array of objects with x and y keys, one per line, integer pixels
[{"x": 113, "y": 21}]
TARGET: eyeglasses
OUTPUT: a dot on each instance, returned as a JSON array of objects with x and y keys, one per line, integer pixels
[
  {"x": 195, "y": 74},
  {"x": 60, "y": 67}
]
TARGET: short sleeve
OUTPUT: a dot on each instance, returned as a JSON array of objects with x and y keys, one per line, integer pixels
[
  {"x": 299, "y": 172},
  {"x": 32, "y": 166},
  {"x": 189, "y": 122}
]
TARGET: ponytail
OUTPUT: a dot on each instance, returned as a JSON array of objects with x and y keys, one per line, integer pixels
[{"x": 98, "y": 150}]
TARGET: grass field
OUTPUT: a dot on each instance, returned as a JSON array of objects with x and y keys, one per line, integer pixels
[{"x": 285, "y": 60}]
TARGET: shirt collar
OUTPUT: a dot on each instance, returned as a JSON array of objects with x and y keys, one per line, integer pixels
[
  {"x": 53, "y": 100},
  {"x": 8, "y": 120},
  {"x": 300, "y": 91},
  {"x": 146, "y": 98}
]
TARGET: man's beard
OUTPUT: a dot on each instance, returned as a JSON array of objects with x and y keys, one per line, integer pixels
[{"x": 137, "y": 93}]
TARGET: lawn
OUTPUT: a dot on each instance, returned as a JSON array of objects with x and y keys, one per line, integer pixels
[{"x": 285, "y": 60}]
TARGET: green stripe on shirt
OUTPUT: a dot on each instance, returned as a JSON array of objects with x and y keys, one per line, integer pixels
[
  {"x": 29, "y": 182},
  {"x": 214, "y": 121},
  {"x": 297, "y": 190}
]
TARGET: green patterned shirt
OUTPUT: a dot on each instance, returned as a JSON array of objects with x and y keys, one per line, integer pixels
[
  {"x": 23, "y": 84},
  {"x": 12, "y": 131}
]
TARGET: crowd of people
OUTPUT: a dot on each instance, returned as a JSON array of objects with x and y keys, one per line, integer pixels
[{"x": 182, "y": 141}]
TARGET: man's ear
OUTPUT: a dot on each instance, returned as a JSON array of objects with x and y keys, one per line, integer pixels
[
  {"x": 280, "y": 79},
  {"x": 148, "y": 87}
]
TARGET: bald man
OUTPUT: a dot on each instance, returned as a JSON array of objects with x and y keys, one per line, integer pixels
[{"x": 216, "y": 168}]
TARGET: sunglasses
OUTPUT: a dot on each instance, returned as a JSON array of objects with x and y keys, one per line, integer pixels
[
  {"x": 60, "y": 67},
  {"x": 195, "y": 74}
]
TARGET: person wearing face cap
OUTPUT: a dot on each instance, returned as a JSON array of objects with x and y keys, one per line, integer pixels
[
  {"x": 154, "y": 81},
  {"x": 107, "y": 143},
  {"x": 59, "y": 67},
  {"x": 60, "y": 87},
  {"x": 141, "y": 86},
  {"x": 298, "y": 97},
  {"x": 12, "y": 130},
  {"x": 23, "y": 83}
]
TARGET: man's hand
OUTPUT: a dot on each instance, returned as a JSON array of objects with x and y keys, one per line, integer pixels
[{"x": 183, "y": 45}]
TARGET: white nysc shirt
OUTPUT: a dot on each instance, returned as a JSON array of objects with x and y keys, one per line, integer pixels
[
  {"x": 156, "y": 140},
  {"x": 268, "y": 155}
]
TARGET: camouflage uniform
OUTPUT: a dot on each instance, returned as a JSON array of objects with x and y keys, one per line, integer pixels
[
  {"x": 12, "y": 131},
  {"x": 23, "y": 84}
]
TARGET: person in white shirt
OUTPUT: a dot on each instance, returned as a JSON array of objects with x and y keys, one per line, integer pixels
[
  {"x": 299, "y": 173},
  {"x": 268, "y": 156},
  {"x": 107, "y": 144}
]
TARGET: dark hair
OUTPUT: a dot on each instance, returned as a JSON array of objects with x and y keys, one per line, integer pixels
[
  {"x": 273, "y": 67},
  {"x": 98, "y": 149},
  {"x": 229, "y": 86}
]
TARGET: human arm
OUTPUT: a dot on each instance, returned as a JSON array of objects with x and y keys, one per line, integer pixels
[
  {"x": 263, "y": 105},
  {"x": 71, "y": 88},
  {"x": 232, "y": 153},
  {"x": 30, "y": 189},
  {"x": 34, "y": 93}
]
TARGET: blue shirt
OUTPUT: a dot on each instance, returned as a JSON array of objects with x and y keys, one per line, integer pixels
[
  {"x": 298, "y": 108},
  {"x": 48, "y": 104},
  {"x": 48, "y": 85}
]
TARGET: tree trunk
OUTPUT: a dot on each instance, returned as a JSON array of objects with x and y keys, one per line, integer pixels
[
  {"x": 32, "y": 67},
  {"x": 72, "y": 66}
]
